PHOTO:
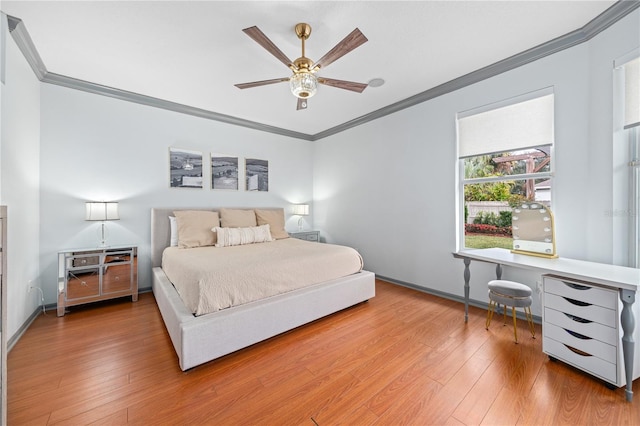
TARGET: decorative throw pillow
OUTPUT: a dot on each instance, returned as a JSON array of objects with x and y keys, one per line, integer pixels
[
  {"x": 275, "y": 219},
  {"x": 194, "y": 227},
  {"x": 236, "y": 218},
  {"x": 240, "y": 236}
]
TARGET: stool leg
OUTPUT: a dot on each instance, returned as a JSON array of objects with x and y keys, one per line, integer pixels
[
  {"x": 490, "y": 310},
  {"x": 515, "y": 328},
  {"x": 527, "y": 311}
]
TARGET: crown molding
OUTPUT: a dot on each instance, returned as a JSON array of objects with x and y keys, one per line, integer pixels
[
  {"x": 600, "y": 23},
  {"x": 20, "y": 35},
  {"x": 85, "y": 86}
]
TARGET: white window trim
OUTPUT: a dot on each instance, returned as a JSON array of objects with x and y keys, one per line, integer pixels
[
  {"x": 462, "y": 181},
  {"x": 624, "y": 212}
]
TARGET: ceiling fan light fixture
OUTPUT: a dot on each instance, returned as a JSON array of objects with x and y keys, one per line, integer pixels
[{"x": 303, "y": 84}]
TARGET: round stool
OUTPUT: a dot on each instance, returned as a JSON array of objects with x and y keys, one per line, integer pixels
[{"x": 510, "y": 293}]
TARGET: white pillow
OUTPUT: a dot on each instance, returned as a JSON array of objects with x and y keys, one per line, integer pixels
[
  {"x": 174, "y": 231},
  {"x": 240, "y": 236}
]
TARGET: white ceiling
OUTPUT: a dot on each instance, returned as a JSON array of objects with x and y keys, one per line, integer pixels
[{"x": 193, "y": 52}]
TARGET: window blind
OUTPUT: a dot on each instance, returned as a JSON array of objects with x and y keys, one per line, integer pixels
[{"x": 519, "y": 124}]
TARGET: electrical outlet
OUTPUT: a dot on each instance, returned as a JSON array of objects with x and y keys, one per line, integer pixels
[{"x": 29, "y": 286}]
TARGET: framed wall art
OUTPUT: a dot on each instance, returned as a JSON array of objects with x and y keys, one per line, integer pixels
[
  {"x": 256, "y": 174},
  {"x": 224, "y": 172},
  {"x": 185, "y": 168}
]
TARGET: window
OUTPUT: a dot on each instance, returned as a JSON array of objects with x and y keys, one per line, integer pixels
[
  {"x": 627, "y": 157},
  {"x": 504, "y": 154},
  {"x": 633, "y": 137}
]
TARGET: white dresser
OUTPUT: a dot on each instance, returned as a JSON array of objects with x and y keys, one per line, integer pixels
[{"x": 581, "y": 327}]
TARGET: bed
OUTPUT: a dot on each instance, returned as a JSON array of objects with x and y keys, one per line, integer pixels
[{"x": 199, "y": 338}]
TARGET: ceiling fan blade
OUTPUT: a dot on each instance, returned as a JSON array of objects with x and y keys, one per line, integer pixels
[
  {"x": 260, "y": 83},
  {"x": 350, "y": 42},
  {"x": 343, "y": 84},
  {"x": 260, "y": 38},
  {"x": 302, "y": 104}
]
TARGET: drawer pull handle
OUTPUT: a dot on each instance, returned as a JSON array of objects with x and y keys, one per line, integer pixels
[
  {"x": 578, "y": 351},
  {"x": 577, "y": 335},
  {"x": 576, "y": 286},
  {"x": 576, "y": 302},
  {"x": 577, "y": 319}
]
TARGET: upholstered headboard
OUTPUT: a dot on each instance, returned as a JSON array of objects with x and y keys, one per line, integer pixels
[
  {"x": 161, "y": 229},
  {"x": 160, "y": 234}
]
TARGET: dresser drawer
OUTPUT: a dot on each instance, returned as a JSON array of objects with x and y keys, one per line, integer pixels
[
  {"x": 591, "y": 364},
  {"x": 575, "y": 307},
  {"x": 585, "y": 293},
  {"x": 581, "y": 342},
  {"x": 580, "y": 325}
]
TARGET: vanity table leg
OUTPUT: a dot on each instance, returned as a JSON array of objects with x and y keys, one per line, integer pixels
[
  {"x": 627, "y": 321},
  {"x": 467, "y": 278}
]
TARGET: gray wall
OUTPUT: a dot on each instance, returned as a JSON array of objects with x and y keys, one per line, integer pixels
[
  {"x": 99, "y": 148},
  {"x": 20, "y": 181},
  {"x": 389, "y": 187}
]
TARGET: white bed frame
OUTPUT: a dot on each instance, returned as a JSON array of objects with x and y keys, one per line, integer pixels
[{"x": 201, "y": 339}]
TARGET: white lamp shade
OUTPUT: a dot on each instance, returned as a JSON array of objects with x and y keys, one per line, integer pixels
[
  {"x": 101, "y": 211},
  {"x": 300, "y": 209}
]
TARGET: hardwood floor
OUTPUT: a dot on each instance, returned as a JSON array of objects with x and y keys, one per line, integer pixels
[{"x": 404, "y": 357}]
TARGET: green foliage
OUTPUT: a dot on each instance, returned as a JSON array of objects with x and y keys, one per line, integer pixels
[
  {"x": 504, "y": 219},
  {"x": 489, "y": 191},
  {"x": 515, "y": 200},
  {"x": 486, "y": 218},
  {"x": 480, "y": 166},
  {"x": 501, "y": 220}
]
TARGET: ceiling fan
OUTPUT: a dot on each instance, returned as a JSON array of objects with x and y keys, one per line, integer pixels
[{"x": 304, "y": 82}]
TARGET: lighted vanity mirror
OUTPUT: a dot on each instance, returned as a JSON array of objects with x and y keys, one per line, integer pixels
[{"x": 532, "y": 229}]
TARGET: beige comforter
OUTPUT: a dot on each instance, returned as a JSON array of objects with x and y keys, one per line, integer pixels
[{"x": 212, "y": 278}]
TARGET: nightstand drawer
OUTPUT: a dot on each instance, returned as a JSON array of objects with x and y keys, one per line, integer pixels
[
  {"x": 82, "y": 284},
  {"x": 85, "y": 259},
  {"x": 116, "y": 278},
  {"x": 111, "y": 258},
  {"x": 307, "y": 235}
]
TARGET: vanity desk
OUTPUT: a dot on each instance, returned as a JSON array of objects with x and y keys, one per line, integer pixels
[{"x": 620, "y": 280}]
